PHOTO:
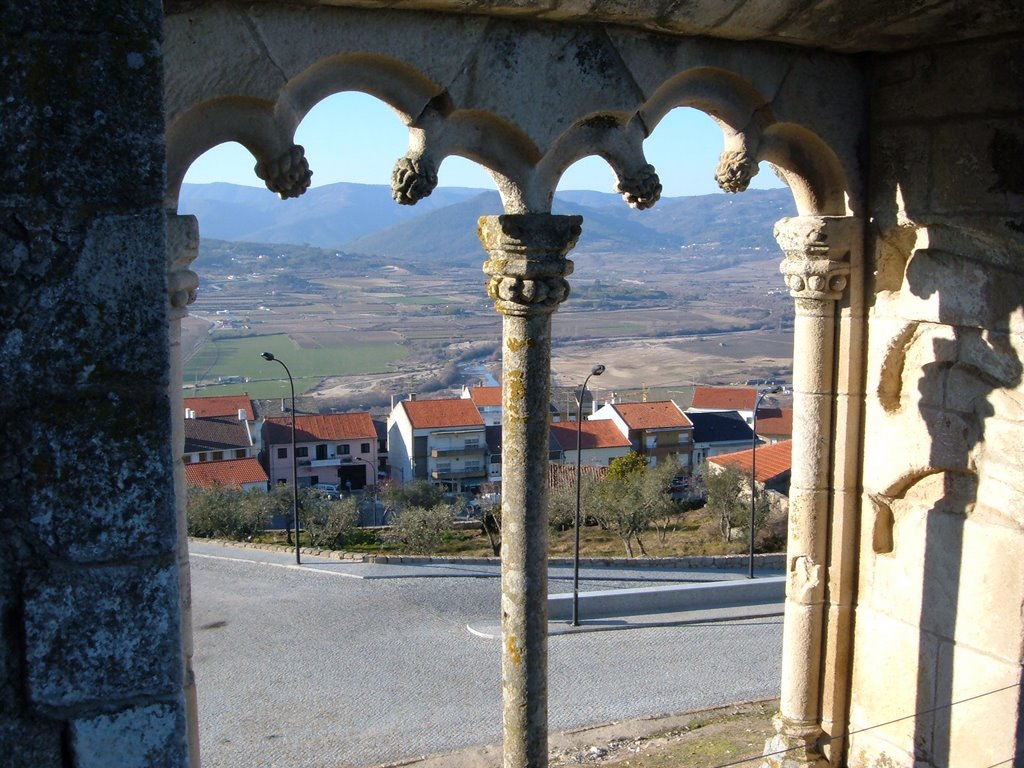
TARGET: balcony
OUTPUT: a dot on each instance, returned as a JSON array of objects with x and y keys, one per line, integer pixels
[
  {"x": 330, "y": 461},
  {"x": 458, "y": 474},
  {"x": 464, "y": 452}
]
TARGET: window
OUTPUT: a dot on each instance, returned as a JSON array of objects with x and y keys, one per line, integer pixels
[
  {"x": 218, "y": 455},
  {"x": 321, "y": 452},
  {"x": 240, "y": 453},
  {"x": 302, "y": 452},
  {"x": 282, "y": 453},
  {"x": 473, "y": 466},
  {"x": 472, "y": 443},
  {"x": 444, "y": 466},
  {"x": 344, "y": 450},
  {"x": 364, "y": 447}
]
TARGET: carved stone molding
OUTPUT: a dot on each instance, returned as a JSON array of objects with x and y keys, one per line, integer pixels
[
  {"x": 182, "y": 249},
  {"x": 412, "y": 179},
  {"x": 735, "y": 170},
  {"x": 527, "y": 263},
  {"x": 642, "y": 189},
  {"x": 818, "y": 254},
  {"x": 287, "y": 175}
]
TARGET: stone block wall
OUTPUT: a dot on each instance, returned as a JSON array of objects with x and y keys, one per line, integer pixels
[
  {"x": 941, "y": 583},
  {"x": 90, "y": 659}
]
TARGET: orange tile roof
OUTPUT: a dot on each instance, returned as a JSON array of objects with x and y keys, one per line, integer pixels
[
  {"x": 725, "y": 398},
  {"x": 775, "y": 422},
  {"x": 230, "y": 473},
  {"x": 221, "y": 405},
  {"x": 438, "y": 414},
  {"x": 659, "y": 414},
  {"x": 332, "y": 426},
  {"x": 485, "y": 395},
  {"x": 772, "y": 460},
  {"x": 593, "y": 434}
]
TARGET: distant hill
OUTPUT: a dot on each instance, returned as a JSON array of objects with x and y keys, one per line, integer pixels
[{"x": 362, "y": 218}]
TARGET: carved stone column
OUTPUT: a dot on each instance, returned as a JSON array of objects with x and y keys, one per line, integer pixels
[
  {"x": 182, "y": 282},
  {"x": 527, "y": 269},
  {"x": 817, "y": 269}
]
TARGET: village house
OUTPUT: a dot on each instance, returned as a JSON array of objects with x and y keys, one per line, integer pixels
[
  {"x": 219, "y": 427},
  {"x": 488, "y": 402},
  {"x": 657, "y": 430},
  {"x": 717, "y": 432},
  {"x": 441, "y": 441},
  {"x": 337, "y": 449},
  {"x": 245, "y": 474}
]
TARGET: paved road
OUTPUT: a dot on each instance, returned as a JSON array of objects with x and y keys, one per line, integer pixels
[{"x": 341, "y": 664}]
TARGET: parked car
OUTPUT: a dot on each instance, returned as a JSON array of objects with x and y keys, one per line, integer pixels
[{"x": 329, "y": 489}]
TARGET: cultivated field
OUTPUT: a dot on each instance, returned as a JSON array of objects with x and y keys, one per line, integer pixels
[{"x": 354, "y": 340}]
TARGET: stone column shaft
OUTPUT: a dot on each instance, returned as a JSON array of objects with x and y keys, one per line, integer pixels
[
  {"x": 817, "y": 267},
  {"x": 182, "y": 249},
  {"x": 527, "y": 269}
]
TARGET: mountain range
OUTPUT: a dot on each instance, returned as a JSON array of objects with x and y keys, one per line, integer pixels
[{"x": 362, "y": 218}]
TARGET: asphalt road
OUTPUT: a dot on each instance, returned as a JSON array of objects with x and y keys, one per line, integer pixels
[{"x": 334, "y": 664}]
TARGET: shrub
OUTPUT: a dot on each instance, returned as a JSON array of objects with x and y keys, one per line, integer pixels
[
  {"x": 420, "y": 530},
  {"x": 224, "y": 513},
  {"x": 328, "y": 522}
]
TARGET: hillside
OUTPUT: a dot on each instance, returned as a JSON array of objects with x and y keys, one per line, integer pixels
[{"x": 363, "y": 219}]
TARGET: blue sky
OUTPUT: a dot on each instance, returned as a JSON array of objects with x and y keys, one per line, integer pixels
[{"x": 354, "y": 137}]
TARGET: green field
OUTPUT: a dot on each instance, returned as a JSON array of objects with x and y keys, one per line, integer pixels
[{"x": 231, "y": 356}]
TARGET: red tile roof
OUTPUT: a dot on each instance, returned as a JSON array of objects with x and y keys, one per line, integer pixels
[
  {"x": 593, "y": 434},
  {"x": 215, "y": 435},
  {"x": 565, "y": 474},
  {"x": 485, "y": 396},
  {"x": 231, "y": 473},
  {"x": 438, "y": 414},
  {"x": 659, "y": 414},
  {"x": 310, "y": 429},
  {"x": 775, "y": 422},
  {"x": 724, "y": 398},
  {"x": 221, "y": 405},
  {"x": 772, "y": 460}
]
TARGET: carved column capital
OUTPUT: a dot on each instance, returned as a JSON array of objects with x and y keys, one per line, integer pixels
[
  {"x": 182, "y": 249},
  {"x": 818, "y": 254},
  {"x": 527, "y": 263}
]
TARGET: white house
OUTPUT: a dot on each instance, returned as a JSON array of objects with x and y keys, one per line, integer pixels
[{"x": 441, "y": 441}]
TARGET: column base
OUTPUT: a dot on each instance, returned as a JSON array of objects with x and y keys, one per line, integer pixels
[{"x": 794, "y": 745}]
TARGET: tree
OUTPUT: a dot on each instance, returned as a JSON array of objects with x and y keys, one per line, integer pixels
[
  {"x": 420, "y": 529},
  {"x": 632, "y": 495},
  {"x": 728, "y": 496},
  {"x": 418, "y": 493},
  {"x": 224, "y": 513},
  {"x": 328, "y": 522}
]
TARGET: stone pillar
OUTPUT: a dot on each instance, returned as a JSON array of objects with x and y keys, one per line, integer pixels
[
  {"x": 182, "y": 282},
  {"x": 527, "y": 269},
  {"x": 816, "y": 268}
]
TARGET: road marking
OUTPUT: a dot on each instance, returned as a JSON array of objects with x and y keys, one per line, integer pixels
[{"x": 292, "y": 566}]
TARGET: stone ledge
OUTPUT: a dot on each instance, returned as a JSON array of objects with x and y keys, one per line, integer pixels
[{"x": 772, "y": 561}]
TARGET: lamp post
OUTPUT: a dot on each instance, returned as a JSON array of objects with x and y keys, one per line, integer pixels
[
  {"x": 295, "y": 463},
  {"x": 597, "y": 370},
  {"x": 373, "y": 472},
  {"x": 753, "y": 475}
]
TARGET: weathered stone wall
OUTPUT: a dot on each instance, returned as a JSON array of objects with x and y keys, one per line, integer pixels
[
  {"x": 941, "y": 542},
  {"x": 90, "y": 660}
]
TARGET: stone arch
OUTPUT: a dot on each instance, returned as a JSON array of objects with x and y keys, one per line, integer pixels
[
  {"x": 752, "y": 133},
  {"x": 267, "y": 128}
]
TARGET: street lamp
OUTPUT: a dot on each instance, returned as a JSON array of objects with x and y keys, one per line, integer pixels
[
  {"x": 597, "y": 370},
  {"x": 373, "y": 472},
  {"x": 753, "y": 474},
  {"x": 295, "y": 463}
]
